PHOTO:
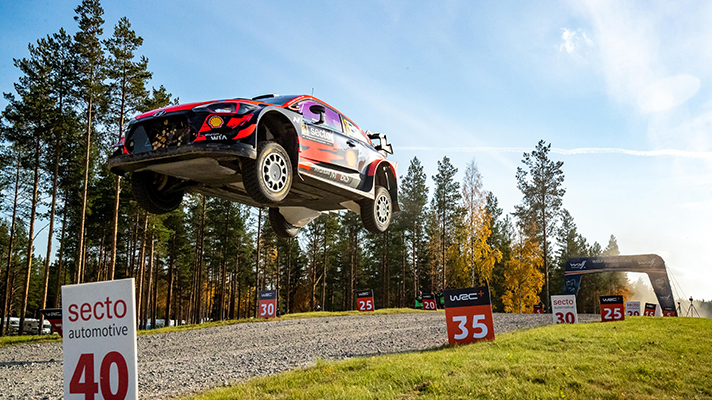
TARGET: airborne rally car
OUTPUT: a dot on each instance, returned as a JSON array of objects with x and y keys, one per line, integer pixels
[{"x": 294, "y": 154}]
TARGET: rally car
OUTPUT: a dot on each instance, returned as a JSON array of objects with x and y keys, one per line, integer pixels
[{"x": 296, "y": 155}]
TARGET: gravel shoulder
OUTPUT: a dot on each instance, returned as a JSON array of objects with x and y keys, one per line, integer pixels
[{"x": 180, "y": 363}]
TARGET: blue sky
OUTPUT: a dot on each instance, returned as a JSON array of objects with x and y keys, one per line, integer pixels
[{"x": 620, "y": 89}]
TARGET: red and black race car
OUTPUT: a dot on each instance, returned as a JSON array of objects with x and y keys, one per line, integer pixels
[{"x": 294, "y": 154}]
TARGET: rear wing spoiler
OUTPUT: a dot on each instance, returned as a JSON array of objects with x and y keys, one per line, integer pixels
[{"x": 383, "y": 146}]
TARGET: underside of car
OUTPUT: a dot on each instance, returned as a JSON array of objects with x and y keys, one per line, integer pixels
[{"x": 252, "y": 159}]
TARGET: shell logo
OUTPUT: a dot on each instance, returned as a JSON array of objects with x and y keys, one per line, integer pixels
[
  {"x": 350, "y": 158},
  {"x": 215, "y": 121}
]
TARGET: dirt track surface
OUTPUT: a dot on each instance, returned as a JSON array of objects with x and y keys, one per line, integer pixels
[{"x": 180, "y": 363}]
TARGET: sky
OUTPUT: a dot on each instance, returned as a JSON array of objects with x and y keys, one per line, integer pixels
[{"x": 621, "y": 90}]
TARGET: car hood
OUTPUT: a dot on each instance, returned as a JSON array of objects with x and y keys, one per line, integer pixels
[{"x": 179, "y": 107}]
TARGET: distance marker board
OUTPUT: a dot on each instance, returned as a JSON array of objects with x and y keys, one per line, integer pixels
[
  {"x": 650, "y": 309},
  {"x": 632, "y": 308},
  {"x": 429, "y": 302},
  {"x": 364, "y": 300},
  {"x": 468, "y": 313},
  {"x": 612, "y": 308},
  {"x": 99, "y": 341},
  {"x": 563, "y": 309},
  {"x": 268, "y": 304}
]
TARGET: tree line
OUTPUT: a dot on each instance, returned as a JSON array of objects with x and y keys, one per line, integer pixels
[{"x": 208, "y": 259}]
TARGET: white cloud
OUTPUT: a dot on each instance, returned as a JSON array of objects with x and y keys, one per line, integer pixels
[
  {"x": 668, "y": 93},
  {"x": 572, "y": 40}
]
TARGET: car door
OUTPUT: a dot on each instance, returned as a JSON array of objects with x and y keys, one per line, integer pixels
[{"x": 325, "y": 142}]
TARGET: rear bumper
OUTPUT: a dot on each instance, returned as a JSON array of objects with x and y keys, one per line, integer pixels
[{"x": 122, "y": 163}]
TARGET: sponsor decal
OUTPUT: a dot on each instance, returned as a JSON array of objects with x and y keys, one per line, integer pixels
[
  {"x": 580, "y": 265},
  {"x": 215, "y": 136},
  {"x": 159, "y": 113},
  {"x": 319, "y": 135}
]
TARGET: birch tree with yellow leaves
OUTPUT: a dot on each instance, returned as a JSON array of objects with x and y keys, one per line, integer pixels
[
  {"x": 523, "y": 279},
  {"x": 477, "y": 255}
]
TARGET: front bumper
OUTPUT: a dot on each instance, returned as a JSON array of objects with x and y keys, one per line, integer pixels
[{"x": 122, "y": 163}]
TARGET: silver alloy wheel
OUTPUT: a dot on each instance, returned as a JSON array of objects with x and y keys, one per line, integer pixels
[
  {"x": 383, "y": 209},
  {"x": 274, "y": 172}
]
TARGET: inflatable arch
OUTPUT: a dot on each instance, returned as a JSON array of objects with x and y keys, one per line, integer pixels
[{"x": 650, "y": 264}]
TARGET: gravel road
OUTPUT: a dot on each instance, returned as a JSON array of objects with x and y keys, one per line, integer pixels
[{"x": 179, "y": 363}]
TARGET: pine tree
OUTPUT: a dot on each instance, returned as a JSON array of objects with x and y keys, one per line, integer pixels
[
  {"x": 91, "y": 89},
  {"x": 541, "y": 184},
  {"x": 444, "y": 206},
  {"x": 413, "y": 198},
  {"x": 126, "y": 92},
  {"x": 35, "y": 108}
]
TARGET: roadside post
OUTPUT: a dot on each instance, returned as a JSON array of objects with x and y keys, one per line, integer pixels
[
  {"x": 99, "y": 342},
  {"x": 268, "y": 304},
  {"x": 364, "y": 300},
  {"x": 429, "y": 302},
  {"x": 54, "y": 316},
  {"x": 468, "y": 313},
  {"x": 650, "y": 309},
  {"x": 632, "y": 308},
  {"x": 612, "y": 308},
  {"x": 563, "y": 309}
]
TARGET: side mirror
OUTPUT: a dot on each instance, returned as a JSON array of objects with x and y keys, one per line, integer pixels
[
  {"x": 383, "y": 146},
  {"x": 319, "y": 109}
]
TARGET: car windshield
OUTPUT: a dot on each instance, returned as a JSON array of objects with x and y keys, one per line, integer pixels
[{"x": 276, "y": 100}]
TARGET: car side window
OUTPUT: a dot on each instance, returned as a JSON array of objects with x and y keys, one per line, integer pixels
[{"x": 333, "y": 119}]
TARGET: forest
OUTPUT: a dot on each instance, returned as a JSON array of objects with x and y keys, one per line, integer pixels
[{"x": 207, "y": 260}]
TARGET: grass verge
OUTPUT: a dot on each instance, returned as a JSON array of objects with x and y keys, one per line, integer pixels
[
  {"x": 13, "y": 340},
  {"x": 639, "y": 358}
]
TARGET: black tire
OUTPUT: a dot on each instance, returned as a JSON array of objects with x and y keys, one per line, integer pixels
[
  {"x": 268, "y": 177},
  {"x": 376, "y": 214},
  {"x": 280, "y": 226},
  {"x": 148, "y": 190}
]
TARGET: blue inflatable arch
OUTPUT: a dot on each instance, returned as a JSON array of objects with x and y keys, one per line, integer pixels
[{"x": 650, "y": 264}]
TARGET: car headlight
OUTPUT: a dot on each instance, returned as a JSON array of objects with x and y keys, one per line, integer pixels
[{"x": 225, "y": 108}]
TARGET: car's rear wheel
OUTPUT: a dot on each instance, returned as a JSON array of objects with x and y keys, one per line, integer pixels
[
  {"x": 268, "y": 177},
  {"x": 152, "y": 191},
  {"x": 280, "y": 226},
  {"x": 376, "y": 214}
]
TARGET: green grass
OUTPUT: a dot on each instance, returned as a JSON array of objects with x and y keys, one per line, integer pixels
[
  {"x": 13, "y": 340},
  {"x": 640, "y": 358}
]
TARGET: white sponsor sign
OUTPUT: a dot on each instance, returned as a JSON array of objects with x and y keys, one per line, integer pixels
[
  {"x": 99, "y": 323},
  {"x": 563, "y": 308},
  {"x": 632, "y": 308}
]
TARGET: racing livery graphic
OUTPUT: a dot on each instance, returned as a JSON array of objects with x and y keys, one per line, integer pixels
[{"x": 296, "y": 155}]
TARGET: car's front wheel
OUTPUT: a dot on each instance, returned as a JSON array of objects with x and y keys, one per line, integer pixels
[
  {"x": 152, "y": 191},
  {"x": 280, "y": 226},
  {"x": 376, "y": 214},
  {"x": 268, "y": 177}
]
